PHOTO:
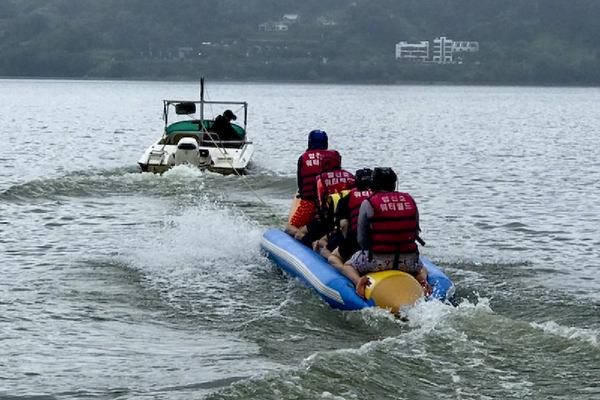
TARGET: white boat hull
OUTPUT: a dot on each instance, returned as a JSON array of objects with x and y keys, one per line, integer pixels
[{"x": 159, "y": 158}]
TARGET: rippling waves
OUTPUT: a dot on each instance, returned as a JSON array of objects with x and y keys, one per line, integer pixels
[{"x": 118, "y": 284}]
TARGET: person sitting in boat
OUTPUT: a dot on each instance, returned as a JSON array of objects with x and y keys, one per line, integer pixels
[
  {"x": 387, "y": 232},
  {"x": 222, "y": 126},
  {"x": 331, "y": 187},
  {"x": 345, "y": 245},
  {"x": 315, "y": 160}
]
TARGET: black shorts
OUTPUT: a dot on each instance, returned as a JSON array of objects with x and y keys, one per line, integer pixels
[
  {"x": 335, "y": 241},
  {"x": 316, "y": 229},
  {"x": 348, "y": 246}
]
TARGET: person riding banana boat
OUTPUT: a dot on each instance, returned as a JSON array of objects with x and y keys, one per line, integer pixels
[
  {"x": 388, "y": 233},
  {"x": 344, "y": 243},
  {"x": 332, "y": 186},
  {"x": 311, "y": 164}
]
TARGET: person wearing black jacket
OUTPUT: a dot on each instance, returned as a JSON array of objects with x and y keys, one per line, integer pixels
[{"x": 222, "y": 126}]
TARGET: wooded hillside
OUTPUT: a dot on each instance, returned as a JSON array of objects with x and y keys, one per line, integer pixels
[{"x": 521, "y": 41}]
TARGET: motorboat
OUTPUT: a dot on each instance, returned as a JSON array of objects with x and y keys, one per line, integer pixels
[{"x": 193, "y": 139}]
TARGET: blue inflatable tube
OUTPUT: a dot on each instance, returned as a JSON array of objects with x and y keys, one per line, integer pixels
[{"x": 337, "y": 290}]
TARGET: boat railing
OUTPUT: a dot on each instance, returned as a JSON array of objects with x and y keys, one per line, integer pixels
[
  {"x": 207, "y": 139},
  {"x": 203, "y": 103},
  {"x": 212, "y": 139}
]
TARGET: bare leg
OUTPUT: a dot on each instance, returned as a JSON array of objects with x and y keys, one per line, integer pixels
[
  {"x": 422, "y": 279},
  {"x": 321, "y": 247},
  {"x": 361, "y": 285},
  {"x": 336, "y": 260},
  {"x": 320, "y": 243},
  {"x": 291, "y": 230},
  {"x": 300, "y": 233},
  {"x": 350, "y": 272},
  {"x": 325, "y": 252}
]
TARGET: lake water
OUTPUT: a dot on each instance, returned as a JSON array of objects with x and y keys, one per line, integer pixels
[{"x": 122, "y": 285}]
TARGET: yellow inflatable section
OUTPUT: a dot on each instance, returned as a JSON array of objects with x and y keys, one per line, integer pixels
[{"x": 393, "y": 289}]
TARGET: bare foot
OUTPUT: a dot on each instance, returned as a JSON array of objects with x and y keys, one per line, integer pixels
[
  {"x": 426, "y": 288},
  {"x": 315, "y": 246},
  {"x": 364, "y": 282}
]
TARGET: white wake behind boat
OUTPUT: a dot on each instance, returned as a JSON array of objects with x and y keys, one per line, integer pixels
[{"x": 192, "y": 139}]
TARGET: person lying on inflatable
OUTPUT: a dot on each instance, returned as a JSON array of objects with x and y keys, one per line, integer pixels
[{"x": 387, "y": 232}]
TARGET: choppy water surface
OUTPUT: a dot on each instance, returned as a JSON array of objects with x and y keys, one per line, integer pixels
[{"x": 123, "y": 285}]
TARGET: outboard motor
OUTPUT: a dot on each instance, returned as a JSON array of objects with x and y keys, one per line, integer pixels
[{"x": 188, "y": 153}]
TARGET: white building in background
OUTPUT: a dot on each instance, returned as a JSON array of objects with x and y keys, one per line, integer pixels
[
  {"x": 442, "y": 50},
  {"x": 273, "y": 26},
  {"x": 279, "y": 26},
  {"x": 465, "y": 46},
  {"x": 290, "y": 18},
  {"x": 413, "y": 51}
]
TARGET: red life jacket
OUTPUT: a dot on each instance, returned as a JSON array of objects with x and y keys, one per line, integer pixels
[
  {"x": 354, "y": 202},
  {"x": 332, "y": 182},
  {"x": 394, "y": 226},
  {"x": 328, "y": 184},
  {"x": 311, "y": 167}
]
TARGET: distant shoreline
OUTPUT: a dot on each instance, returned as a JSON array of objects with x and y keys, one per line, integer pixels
[{"x": 304, "y": 82}]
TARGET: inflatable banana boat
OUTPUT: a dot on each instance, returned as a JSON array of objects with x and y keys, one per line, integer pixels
[{"x": 386, "y": 289}]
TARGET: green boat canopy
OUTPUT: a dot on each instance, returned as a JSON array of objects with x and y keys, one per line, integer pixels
[
  {"x": 182, "y": 129},
  {"x": 194, "y": 126}
]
